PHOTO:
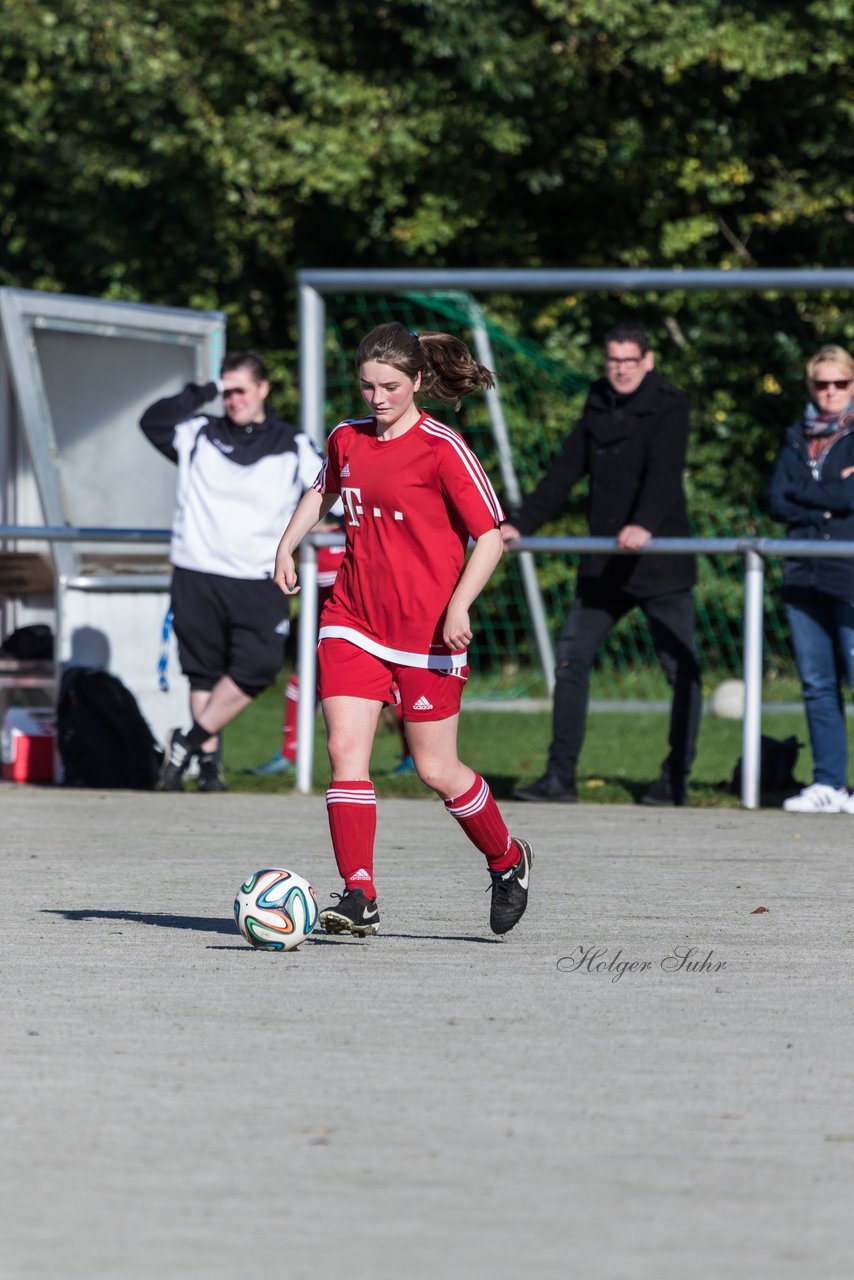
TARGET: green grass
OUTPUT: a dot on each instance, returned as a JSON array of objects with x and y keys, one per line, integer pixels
[{"x": 622, "y": 753}]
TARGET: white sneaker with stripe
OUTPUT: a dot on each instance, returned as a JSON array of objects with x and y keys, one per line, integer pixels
[{"x": 819, "y": 798}]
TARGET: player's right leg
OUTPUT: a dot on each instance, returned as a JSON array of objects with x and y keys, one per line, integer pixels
[
  {"x": 351, "y": 807},
  {"x": 354, "y": 686},
  {"x": 200, "y": 623}
]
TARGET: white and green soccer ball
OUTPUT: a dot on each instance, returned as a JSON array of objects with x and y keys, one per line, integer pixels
[{"x": 275, "y": 909}]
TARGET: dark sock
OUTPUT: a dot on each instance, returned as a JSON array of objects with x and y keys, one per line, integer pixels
[{"x": 197, "y": 735}]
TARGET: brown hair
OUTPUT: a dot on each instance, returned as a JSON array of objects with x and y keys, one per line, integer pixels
[
  {"x": 250, "y": 360},
  {"x": 448, "y": 369}
]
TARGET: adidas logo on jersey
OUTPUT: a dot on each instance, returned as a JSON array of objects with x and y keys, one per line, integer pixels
[
  {"x": 422, "y": 704},
  {"x": 345, "y": 471}
]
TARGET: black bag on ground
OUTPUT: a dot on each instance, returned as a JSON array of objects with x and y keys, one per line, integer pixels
[
  {"x": 103, "y": 738},
  {"x": 29, "y": 644},
  {"x": 777, "y": 760}
]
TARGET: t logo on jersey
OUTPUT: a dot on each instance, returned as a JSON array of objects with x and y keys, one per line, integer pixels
[{"x": 353, "y": 503}]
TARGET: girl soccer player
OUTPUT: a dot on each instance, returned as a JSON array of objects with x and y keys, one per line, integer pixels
[{"x": 413, "y": 493}]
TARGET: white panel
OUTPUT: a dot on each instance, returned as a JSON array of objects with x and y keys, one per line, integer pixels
[{"x": 97, "y": 388}]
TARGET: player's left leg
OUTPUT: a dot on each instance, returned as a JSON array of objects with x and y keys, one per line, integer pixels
[{"x": 469, "y": 799}]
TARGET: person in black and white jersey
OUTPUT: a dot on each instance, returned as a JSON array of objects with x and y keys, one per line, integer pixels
[{"x": 240, "y": 477}]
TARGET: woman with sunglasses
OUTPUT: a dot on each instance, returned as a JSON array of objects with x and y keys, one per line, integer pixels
[
  {"x": 812, "y": 493},
  {"x": 240, "y": 477}
]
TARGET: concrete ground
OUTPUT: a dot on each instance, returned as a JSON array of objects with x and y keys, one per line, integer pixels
[{"x": 576, "y": 1099}]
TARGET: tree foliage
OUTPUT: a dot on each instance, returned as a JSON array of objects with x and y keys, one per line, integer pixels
[{"x": 198, "y": 154}]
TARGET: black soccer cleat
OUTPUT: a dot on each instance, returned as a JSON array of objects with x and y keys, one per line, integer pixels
[
  {"x": 354, "y": 914},
  {"x": 510, "y": 891},
  {"x": 179, "y": 753},
  {"x": 211, "y": 776}
]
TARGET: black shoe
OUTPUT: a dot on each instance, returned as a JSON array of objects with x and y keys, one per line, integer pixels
[
  {"x": 210, "y": 772},
  {"x": 510, "y": 891},
  {"x": 179, "y": 753},
  {"x": 354, "y": 914},
  {"x": 664, "y": 793},
  {"x": 548, "y": 790}
]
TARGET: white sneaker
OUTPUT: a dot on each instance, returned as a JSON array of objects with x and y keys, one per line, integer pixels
[{"x": 819, "y": 798}]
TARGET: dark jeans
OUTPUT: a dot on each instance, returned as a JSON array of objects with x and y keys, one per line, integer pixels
[{"x": 671, "y": 624}]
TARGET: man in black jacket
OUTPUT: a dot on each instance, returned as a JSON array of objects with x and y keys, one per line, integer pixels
[
  {"x": 240, "y": 477},
  {"x": 631, "y": 441}
]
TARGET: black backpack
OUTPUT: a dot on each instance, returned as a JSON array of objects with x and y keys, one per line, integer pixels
[
  {"x": 29, "y": 644},
  {"x": 103, "y": 738}
]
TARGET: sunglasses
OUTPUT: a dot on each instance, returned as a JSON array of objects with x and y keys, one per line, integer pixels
[{"x": 841, "y": 384}]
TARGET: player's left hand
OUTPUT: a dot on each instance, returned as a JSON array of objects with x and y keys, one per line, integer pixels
[{"x": 457, "y": 631}]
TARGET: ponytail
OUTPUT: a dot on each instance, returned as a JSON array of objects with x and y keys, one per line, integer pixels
[{"x": 448, "y": 369}]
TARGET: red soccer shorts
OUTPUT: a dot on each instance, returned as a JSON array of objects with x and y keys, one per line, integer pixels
[{"x": 346, "y": 671}]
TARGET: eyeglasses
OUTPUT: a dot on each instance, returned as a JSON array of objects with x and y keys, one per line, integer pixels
[
  {"x": 630, "y": 362},
  {"x": 841, "y": 384},
  {"x": 233, "y": 391}
]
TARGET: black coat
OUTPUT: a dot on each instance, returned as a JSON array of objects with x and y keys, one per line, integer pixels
[
  {"x": 633, "y": 449},
  {"x": 815, "y": 504}
]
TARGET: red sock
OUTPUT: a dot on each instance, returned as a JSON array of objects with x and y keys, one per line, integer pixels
[
  {"x": 352, "y": 811},
  {"x": 480, "y": 818},
  {"x": 289, "y": 735}
]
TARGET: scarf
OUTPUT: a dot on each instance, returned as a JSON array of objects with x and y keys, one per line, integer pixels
[{"x": 815, "y": 424}]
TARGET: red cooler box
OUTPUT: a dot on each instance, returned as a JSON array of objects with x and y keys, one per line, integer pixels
[{"x": 27, "y": 744}]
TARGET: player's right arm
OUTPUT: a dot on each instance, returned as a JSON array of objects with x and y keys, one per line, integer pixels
[
  {"x": 313, "y": 507},
  {"x": 161, "y": 418}
]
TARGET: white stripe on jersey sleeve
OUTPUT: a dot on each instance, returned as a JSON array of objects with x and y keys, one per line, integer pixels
[
  {"x": 471, "y": 463},
  {"x": 320, "y": 483}
]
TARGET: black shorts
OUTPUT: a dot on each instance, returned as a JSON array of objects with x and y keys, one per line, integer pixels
[{"x": 233, "y": 627}]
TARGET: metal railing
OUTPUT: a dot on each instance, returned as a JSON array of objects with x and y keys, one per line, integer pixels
[{"x": 754, "y": 550}]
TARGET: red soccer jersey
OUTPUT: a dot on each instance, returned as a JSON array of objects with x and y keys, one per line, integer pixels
[{"x": 410, "y": 506}]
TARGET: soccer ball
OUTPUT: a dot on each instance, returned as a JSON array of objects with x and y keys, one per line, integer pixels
[
  {"x": 727, "y": 700},
  {"x": 275, "y": 909}
]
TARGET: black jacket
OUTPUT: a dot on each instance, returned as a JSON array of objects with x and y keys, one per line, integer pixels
[
  {"x": 815, "y": 504},
  {"x": 633, "y": 449}
]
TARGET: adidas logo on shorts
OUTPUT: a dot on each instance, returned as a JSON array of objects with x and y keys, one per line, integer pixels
[{"x": 422, "y": 704}]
